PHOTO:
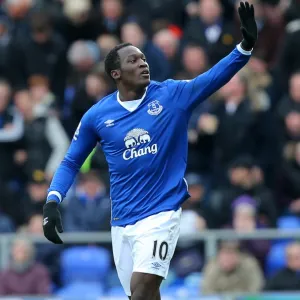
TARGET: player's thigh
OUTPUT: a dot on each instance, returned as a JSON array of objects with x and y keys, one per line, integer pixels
[
  {"x": 122, "y": 258},
  {"x": 153, "y": 242}
]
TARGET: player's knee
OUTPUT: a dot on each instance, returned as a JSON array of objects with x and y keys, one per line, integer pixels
[
  {"x": 145, "y": 286},
  {"x": 143, "y": 292}
]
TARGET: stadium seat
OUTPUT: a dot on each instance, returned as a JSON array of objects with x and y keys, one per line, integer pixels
[
  {"x": 288, "y": 222},
  {"x": 275, "y": 259},
  {"x": 116, "y": 291},
  {"x": 77, "y": 290},
  {"x": 193, "y": 282},
  {"x": 84, "y": 263},
  {"x": 180, "y": 292}
]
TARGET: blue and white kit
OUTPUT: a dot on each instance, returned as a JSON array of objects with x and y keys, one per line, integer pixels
[{"x": 145, "y": 143}]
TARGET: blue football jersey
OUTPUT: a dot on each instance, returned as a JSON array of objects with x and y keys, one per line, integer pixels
[{"x": 146, "y": 149}]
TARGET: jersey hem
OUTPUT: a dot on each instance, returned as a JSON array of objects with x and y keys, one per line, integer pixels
[{"x": 133, "y": 221}]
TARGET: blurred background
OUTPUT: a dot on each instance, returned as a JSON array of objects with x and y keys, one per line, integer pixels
[{"x": 240, "y": 229}]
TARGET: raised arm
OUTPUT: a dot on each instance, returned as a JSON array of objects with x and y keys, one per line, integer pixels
[
  {"x": 189, "y": 93},
  {"x": 84, "y": 141}
]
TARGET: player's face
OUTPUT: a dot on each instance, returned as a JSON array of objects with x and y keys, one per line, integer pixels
[{"x": 134, "y": 68}]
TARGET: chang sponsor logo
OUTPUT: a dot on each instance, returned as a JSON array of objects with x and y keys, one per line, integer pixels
[{"x": 135, "y": 138}]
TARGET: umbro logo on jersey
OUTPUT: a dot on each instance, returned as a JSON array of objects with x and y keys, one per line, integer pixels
[
  {"x": 109, "y": 123},
  {"x": 154, "y": 108}
]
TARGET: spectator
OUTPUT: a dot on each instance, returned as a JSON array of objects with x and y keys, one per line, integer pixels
[
  {"x": 210, "y": 30},
  {"x": 288, "y": 112},
  {"x": 6, "y": 223},
  {"x": 168, "y": 42},
  {"x": 287, "y": 279},
  {"x": 41, "y": 150},
  {"x": 232, "y": 272},
  {"x": 34, "y": 197},
  {"x": 11, "y": 132},
  {"x": 24, "y": 276},
  {"x": 288, "y": 188},
  {"x": 233, "y": 113},
  {"x": 89, "y": 209},
  {"x": 244, "y": 179},
  {"x": 5, "y": 40},
  {"x": 288, "y": 61},
  {"x": 43, "y": 52},
  {"x": 96, "y": 86},
  {"x": 194, "y": 62},
  {"x": 106, "y": 42},
  {"x": 245, "y": 220},
  {"x": 132, "y": 32},
  {"x": 113, "y": 15},
  {"x": 79, "y": 21},
  {"x": 269, "y": 19},
  {"x": 83, "y": 57},
  {"x": 46, "y": 254},
  {"x": 18, "y": 12}
]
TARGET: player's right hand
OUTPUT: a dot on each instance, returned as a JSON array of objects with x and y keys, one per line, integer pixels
[{"x": 51, "y": 222}]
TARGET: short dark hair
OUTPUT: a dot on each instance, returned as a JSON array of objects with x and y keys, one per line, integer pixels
[{"x": 112, "y": 59}]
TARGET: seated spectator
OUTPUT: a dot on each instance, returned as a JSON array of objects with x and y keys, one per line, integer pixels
[
  {"x": 11, "y": 132},
  {"x": 34, "y": 197},
  {"x": 194, "y": 213},
  {"x": 6, "y": 26},
  {"x": 106, "y": 42},
  {"x": 46, "y": 253},
  {"x": 270, "y": 20},
  {"x": 288, "y": 187},
  {"x": 168, "y": 42},
  {"x": 132, "y": 32},
  {"x": 245, "y": 220},
  {"x": 245, "y": 178},
  {"x": 40, "y": 93},
  {"x": 258, "y": 81},
  {"x": 78, "y": 21},
  {"x": 195, "y": 218},
  {"x": 82, "y": 57},
  {"x": 291, "y": 101},
  {"x": 89, "y": 209},
  {"x": 232, "y": 272},
  {"x": 41, "y": 149},
  {"x": 288, "y": 278},
  {"x": 112, "y": 13},
  {"x": 96, "y": 86},
  {"x": 42, "y": 51},
  {"x": 233, "y": 111},
  {"x": 288, "y": 113},
  {"x": 194, "y": 62},
  {"x": 210, "y": 30},
  {"x": 24, "y": 276}
]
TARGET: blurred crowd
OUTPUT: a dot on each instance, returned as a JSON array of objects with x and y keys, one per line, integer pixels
[{"x": 244, "y": 142}]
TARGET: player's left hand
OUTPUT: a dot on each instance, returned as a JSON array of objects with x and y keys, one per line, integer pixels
[{"x": 249, "y": 27}]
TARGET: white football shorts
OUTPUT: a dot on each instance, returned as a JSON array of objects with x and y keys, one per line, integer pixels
[{"x": 147, "y": 246}]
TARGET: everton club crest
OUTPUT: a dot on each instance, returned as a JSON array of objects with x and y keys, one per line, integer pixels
[{"x": 154, "y": 108}]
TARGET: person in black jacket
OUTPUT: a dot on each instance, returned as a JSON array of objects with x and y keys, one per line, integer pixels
[
  {"x": 287, "y": 279},
  {"x": 42, "y": 52}
]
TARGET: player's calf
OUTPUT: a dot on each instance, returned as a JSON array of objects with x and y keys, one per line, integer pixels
[{"x": 145, "y": 286}]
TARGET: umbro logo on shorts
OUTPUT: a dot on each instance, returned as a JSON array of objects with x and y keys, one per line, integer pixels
[{"x": 156, "y": 265}]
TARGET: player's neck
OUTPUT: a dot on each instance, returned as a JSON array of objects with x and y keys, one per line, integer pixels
[{"x": 129, "y": 95}]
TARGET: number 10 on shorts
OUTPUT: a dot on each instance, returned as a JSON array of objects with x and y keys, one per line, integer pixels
[{"x": 162, "y": 250}]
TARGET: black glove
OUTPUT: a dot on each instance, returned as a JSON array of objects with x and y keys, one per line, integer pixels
[
  {"x": 249, "y": 27},
  {"x": 52, "y": 219}
]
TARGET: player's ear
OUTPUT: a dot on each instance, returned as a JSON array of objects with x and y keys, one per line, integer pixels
[{"x": 115, "y": 74}]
